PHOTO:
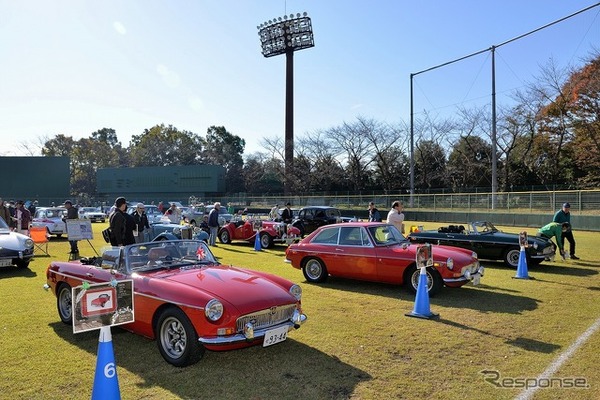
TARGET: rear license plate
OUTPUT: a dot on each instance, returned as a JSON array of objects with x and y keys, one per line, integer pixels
[
  {"x": 5, "y": 263},
  {"x": 276, "y": 335}
]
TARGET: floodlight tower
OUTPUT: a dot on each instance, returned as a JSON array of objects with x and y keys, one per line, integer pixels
[{"x": 285, "y": 36}]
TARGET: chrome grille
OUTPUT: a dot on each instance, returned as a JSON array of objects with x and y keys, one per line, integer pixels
[{"x": 266, "y": 318}]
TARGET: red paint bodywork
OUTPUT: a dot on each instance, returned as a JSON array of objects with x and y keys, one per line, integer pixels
[
  {"x": 244, "y": 230},
  {"x": 240, "y": 291},
  {"x": 375, "y": 263}
]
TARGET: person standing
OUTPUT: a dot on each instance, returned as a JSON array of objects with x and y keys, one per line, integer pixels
[
  {"x": 564, "y": 215},
  {"x": 22, "y": 218},
  {"x": 554, "y": 229},
  {"x": 121, "y": 230},
  {"x": 395, "y": 216},
  {"x": 4, "y": 213},
  {"x": 174, "y": 214},
  {"x": 71, "y": 214},
  {"x": 287, "y": 214},
  {"x": 374, "y": 214},
  {"x": 213, "y": 224},
  {"x": 141, "y": 223}
]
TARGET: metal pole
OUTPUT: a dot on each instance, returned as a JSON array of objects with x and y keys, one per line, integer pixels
[
  {"x": 289, "y": 121},
  {"x": 412, "y": 144},
  {"x": 494, "y": 143}
]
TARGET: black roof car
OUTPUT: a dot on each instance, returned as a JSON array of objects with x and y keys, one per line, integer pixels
[{"x": 312, "y": 217}]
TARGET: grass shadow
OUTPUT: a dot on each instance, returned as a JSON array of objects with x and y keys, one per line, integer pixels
[
  {"x": 281, "y": 371},
  {"x": 521, "y": 342},
  {"x": 12, "y": 272}
]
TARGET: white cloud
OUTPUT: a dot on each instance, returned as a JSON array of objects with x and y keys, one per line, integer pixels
[
  {"x": 119, "y": 27},
  {"x": 171, "y": 78}
]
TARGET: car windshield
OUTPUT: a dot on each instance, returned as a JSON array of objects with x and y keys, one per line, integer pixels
[
  {"x": 171, "y": 254},
  {"x": 3, "y": 226},
  {"x": 385, "y": 235},
  {"x": 89, "y": 209},
  {"x": 484, "y": 227},
  {"x": 55, "y": 213}
]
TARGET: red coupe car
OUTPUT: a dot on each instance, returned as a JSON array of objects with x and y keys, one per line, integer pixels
[
  {"x": 185, "y": 299},
  {"x": 269, "y": 232},
  {"x": 374, "y": 251},
  {"x": 101, "y": 300}
]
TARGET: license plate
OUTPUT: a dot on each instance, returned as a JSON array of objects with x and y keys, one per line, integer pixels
[
  {"x": 476, "y": 279},
  {"x": 5, "y": 263},
  {"x": 276, "y": 335}
]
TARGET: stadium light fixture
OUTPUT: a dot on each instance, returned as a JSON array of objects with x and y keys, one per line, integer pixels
[{"x": 285, "y": 36}]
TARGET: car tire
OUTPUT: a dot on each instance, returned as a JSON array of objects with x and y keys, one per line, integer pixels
[
  {"x": 266, "y": 241},
  {"x": 64, "y": 303},
  {"x": 22, "y": 264},
  {"x": 511, "y": 257},
  {"x": 58, "y": 235},
  {"x": 434, "y": 280},
  {"x": 314, "y": 270},
  {"x": 224, "y": 236},
  {"x": 177, "y": 339}
]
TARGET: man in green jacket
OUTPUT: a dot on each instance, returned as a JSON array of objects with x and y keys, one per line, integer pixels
[{"x": 554, "y": 229}]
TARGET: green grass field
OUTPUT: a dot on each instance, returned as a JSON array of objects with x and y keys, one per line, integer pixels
[{"x": 356, "y": 344}]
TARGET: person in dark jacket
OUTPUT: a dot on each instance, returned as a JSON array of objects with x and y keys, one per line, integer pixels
[
  {"x": 374, "y": 214},
  {"x": 213, "y": 224},
  {"x": 71, "y": 214},
  {"x": 121, "y": 224},
  {"x": 564, "y": 215},
  {"x": 141, "y": 223}
]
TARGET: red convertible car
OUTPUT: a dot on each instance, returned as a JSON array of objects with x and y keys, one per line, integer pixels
[
  {"x": 185, "y": 299},
  {"x": 270, "y": 232},
  {"x": 378, "y": 252},
  {"x": 101, "y": 300}
]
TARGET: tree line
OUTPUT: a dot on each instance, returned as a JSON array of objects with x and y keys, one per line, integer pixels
[{"x": 549, "y": 135}]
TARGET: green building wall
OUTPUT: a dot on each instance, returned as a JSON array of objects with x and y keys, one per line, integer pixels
[
  {"x": 35, "y": 178},
  {"x": 153, "y": 184}
]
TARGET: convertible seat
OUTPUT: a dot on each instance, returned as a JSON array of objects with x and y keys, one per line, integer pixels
[{"x": 157, "y": 253}]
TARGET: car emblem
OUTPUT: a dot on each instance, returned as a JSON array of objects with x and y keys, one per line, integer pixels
[{"x": 273, "y": 310}]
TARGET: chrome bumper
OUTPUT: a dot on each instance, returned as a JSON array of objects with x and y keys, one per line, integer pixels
[{"x": 241, "y": 338}]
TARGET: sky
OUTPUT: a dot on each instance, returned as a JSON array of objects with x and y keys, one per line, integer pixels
[{"x": 73, "y": 67}]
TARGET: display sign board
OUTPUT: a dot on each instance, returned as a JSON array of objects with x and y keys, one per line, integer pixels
[
  {"x": 79, "y": 229},
  {"x": 424, "y": 256},
  {"x": 523, "y": 239},
  {"x": 102, "y": 304}
]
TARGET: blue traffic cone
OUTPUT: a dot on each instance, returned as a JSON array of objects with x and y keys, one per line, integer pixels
[
  {"x": 257, "y": 246},
  {"x": 522, "y": 265},
  {"x": 106, "y": 382},
  {"x": 422, "y": 309}
]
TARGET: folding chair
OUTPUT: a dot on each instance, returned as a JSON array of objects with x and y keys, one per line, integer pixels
[{"x": 39, "y": 235}]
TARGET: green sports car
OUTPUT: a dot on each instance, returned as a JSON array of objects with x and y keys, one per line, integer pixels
[{"x": 488, "y": 242}]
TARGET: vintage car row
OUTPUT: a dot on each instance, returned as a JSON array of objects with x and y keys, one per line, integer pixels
[
  {"x": 52, "y": 219},
  {"x": 185, "y": 299},
  {"x": 15, "y": 248},
  {"x": 488, "y": 242},
  {"x": 378, "y": 252},
  {"x": 269, "y": 232}
]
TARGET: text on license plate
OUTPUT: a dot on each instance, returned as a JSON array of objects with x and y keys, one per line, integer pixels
[
  {"x": 276, "y": 335},
  {"x": 5, "y": 263}
]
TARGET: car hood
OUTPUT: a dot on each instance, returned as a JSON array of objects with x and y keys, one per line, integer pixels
[
  {"x": 12, "y": 240},
  {"x": 245, "y": 290}
]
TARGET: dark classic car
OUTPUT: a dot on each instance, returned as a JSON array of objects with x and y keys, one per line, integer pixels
[
  {"x": 269, "y": 232},
  {"x": 488, "y": 242},
  {"x": 169, "y": 231},
  {"x": 312, "y": 217},
  {"x": 185, "y": 299},
  {"x": 378, "y": 252},
  {"x": 15, "y": 248}
]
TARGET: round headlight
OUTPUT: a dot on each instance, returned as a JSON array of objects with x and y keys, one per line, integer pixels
[
  {"x": 213, "y": 310},
  {"x": 450, "y": 263},
  {"x": 176, "y": 231},
  {"x": 474, "y": 255},
  {"x": 28, "y": 243},
  {"x": 535, "y": 245},
  {"x": 296, "y": 291}
]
